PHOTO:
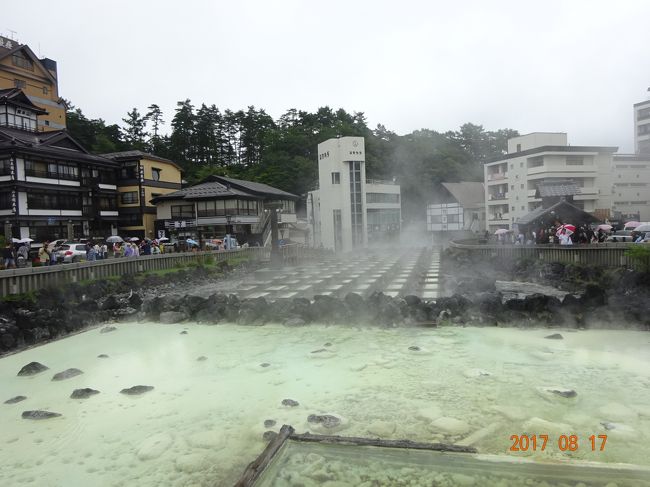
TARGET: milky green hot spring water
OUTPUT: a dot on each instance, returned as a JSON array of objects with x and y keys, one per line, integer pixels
[{"x": 215, "y": 386}]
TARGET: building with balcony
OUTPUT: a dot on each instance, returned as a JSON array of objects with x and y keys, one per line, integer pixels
[
  {"x": 50, "y": 186},
  {"x": 349, "y": 211},
  {"x": 141, "y": 177},
  {"x": 631, "y": 187},
  {"x": 220, "y": 205},
  {"x": 512, "y": 181},
  {"x": 642, "y": 127},
  {"x": 37, "y": 78}
]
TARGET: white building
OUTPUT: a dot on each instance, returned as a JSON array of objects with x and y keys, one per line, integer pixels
[
  {"x": 457, "y": 207},
  {"x": 511, "y": 182},
  {"x": 631, "y": 191},
  {"x": 349, "y": 211},
  {"x": 642, "y": 127}
]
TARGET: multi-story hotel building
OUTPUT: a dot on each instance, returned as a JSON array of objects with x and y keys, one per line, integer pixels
[
  {"x": 142, "y": 177},
  {"x": 37, "y": 78},
  {"x": 349, "y": 211},
  {"x": 642, "y": 127},
  {"x": 50, "y": 186},
  {"x": 511, "y": 182}
]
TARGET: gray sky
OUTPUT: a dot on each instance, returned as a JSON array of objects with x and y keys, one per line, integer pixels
[{"x": 574, "y": 66}]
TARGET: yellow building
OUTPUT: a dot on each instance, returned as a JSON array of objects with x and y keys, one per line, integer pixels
[
  {"x": 142, "y": 177},
  {"x": 37, "y": 78}
]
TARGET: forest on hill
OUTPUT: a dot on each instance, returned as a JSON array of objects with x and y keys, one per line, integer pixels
[{"x": 250, "y": 144}]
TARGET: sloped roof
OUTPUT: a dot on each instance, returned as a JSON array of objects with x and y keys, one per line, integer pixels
[
  {"x": 562, "y": 210},
  {"x": 16, "y": 96},
  {"x": 564, "y": 187},
  {"x": 138, "y": 154},
  {"x": 4, "y": 52},
  {"x": 469, "y": 194},
  {"x": 251, "y": 186}
]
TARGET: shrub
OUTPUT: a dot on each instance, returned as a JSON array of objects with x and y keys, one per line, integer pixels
[{"x": 640, "y": 255}]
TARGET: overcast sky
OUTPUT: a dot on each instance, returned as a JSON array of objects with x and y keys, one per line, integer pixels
[{"x": 573, "y": 66}]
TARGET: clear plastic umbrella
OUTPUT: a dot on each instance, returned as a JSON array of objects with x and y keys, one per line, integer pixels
[{"x": 114, "y": 239}]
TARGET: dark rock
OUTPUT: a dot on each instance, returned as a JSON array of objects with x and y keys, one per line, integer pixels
[
  {"x": 414, "y": 348},
  {"x": 202, "y": 358},
  {"x": 555, "y": 336},
  {"x": 290, "y": 402},
  {"x": 109, "y": 303},
  {"x": 183, "y": 332},
  {"x": 135, "y": 301},
  {"x": 269, "y": 435},
  {"x": 412, "y": 300},
  {"x": 194, "y": 304},
  {"x": 265, "y": 364},
  {"x": 269, "y": 423},
  {"x": 107, "y": 329},
  {"x": 67, "y": 374},
  {"x": 15, "y": 399},
  {"x": 39, "y": 415},
  {"x": 564, "y": 393},
  {"x": 253, "y": 311},
  {"x": 320, "y": 350},
  {"x": 7, "y": 340},
  {"x": 171, "y": 317},
  {"x": 102, "y": 355},
  {"x": 326, "y": 420},
  {"x": 594, "y": 295},
  {"x": 32, "y": 368},
  {"x": 328, "y": 344},
  {"x": 136, "y": 390},
  {"x": 83, "y": 393}
]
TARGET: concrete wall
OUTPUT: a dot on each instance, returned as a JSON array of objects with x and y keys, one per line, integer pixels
[{"x": 536, "y": 139}]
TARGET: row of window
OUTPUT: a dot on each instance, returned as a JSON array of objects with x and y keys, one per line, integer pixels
[
  {"x": 59, "y": 201},
  {"x": 643, "y": 129},
  {"x": 643, "y": 114},
  {"x": 382, "y": 198},
  {"x": 226, "y": 207},
  {"x": 52, "y": 170}
]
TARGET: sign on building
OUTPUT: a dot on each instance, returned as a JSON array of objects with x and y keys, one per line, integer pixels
[{"x": 444, "y": 217}]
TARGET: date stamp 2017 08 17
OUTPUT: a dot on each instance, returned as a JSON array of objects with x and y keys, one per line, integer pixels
[{"x": 564, "y": 442}]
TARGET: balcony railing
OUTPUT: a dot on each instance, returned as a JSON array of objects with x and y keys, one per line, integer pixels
[
  {"x": 381, "y": 181},
  {"x": 498, "y": 197},
  {"x": 38, "y": 173},
  {"x": 497, "y": 176}
]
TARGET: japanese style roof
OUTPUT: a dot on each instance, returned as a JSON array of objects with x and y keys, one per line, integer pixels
[
  {"x": 15, "y": 47},
  {"x": 562, "y": 211},
  {"x": 129, "y": 155},
  {"x": 469, "y": 194},
  {"x": 15, "y": 96},
  {"x": 549, "y": 189},
  {"x": 54, "y": 144},
  {"x": 219, "y": 187}
]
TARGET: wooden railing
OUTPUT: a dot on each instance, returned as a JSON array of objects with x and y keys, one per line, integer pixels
[{"x": 602, "y": 254}]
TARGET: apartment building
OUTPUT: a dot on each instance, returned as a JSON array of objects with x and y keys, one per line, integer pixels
[
  {"x": 37, "y": 78},
  {"x": 631, "y": 187},
  {"x": 349, "y": 211},
  {"x": 512, "y": 181},
  {"x": 141, "y": 177},
  {"x": 50, "y": 186}
]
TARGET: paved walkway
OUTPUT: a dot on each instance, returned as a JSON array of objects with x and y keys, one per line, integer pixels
[{"x": 409, "y": 271}]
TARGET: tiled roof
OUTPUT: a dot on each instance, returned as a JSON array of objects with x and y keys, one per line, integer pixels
[
  {"x": 563, "y": 210},
  {"x": 255, "y": 187},
  {"x": 469, "y": 194},
  {"x": 137, "y": 154}
]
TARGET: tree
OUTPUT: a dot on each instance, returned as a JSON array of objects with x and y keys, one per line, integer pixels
[
  {"x": 181, "y": 141},
  {"x": 135, "y": 131},
  {"x": 155, "y": 117}
]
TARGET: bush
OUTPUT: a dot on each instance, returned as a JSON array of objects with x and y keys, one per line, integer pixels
[{"x": 640, "y": 255}]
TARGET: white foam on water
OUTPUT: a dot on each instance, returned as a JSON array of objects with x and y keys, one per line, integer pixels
[{"x": 203, "y": 422}]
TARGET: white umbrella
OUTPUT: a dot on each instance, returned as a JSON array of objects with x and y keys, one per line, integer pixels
[
  {"x": 134, "y": 239},
  {"x": 163, "y": 239},
  {"x": 643, "y": 228},
  {"x": 501, "y": 231},
  {"x": 26, "y": 240},
  {"x": 114, "y": 239},
  {"x": 604, "y": 227},
  {"x": 15, "y": 240}
]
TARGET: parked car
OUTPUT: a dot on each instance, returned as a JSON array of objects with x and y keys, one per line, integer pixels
[
  {"x": 620, "y": 236},
  {"x": 71, "y": 252}
]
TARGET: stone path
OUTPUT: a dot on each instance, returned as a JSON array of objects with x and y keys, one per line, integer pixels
[{"x": 409, "y": 271}]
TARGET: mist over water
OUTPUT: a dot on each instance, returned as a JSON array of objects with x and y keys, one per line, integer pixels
[{"x": 204, "y": 420}]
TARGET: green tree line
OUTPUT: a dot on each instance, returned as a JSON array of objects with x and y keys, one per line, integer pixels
[{"x": 250, "y": 144}]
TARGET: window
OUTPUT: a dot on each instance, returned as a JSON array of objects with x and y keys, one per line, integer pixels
[
  {"x": 521, "y": 164},
  {"x": 51, "y": 201},
  {"x": 518, "y": 147},
  {"x": 643, "y": 114},
  {"x": 5, "y": 167},
  {"x": 182, "y": 211},
  {"x": 155, "y": 173},
  {"x": 5, "y": 200},
  {"x": 128, "y": 198},
  {"x": 108, "y": 203},
  {"x": 46, "y": 90},
  {"x": 523, "y": 208},
  {"x": 575, "y": 160},
  {"x": 382, "y": 198},
  {"x": 19, "y": 59},
  {"x": 128, "y": 172},
  {"x": 130, "y": 220},
  {"x": 68, "y": 171},
  {"x": 512, "y": 187},
  {"x": 643, "y": 129},
  {"x": 522, "y": 186},
  {"x": 336, "y": 178},
  {"x": 513, "y": 208},
  {"x": 19, "y": 83},
  {"x": 536, "y": 161}
]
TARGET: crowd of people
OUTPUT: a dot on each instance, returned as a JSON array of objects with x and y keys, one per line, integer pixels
[{"x": 557, "y": 234}]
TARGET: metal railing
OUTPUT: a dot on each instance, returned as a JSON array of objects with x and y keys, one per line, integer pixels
[{"x": 600, "y": 254}]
